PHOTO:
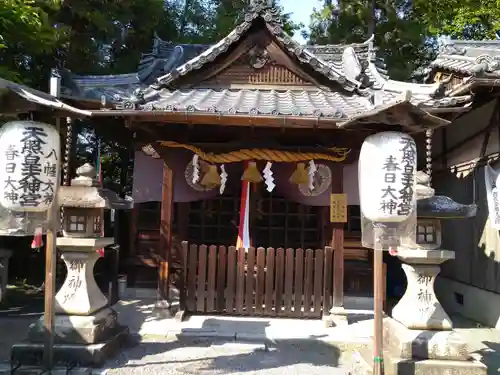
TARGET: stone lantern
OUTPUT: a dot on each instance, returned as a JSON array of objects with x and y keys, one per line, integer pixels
[
  {"x": 86, "y": 327},
  {"x": 420, "y": 333}
]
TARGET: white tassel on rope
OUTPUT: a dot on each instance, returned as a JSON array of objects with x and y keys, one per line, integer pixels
[
  {"x": 196, "y": 169},
  {"x": 268, "y": 177},
  {"x": 223, "y": 179},
  {"x": 311, "y": 172}
]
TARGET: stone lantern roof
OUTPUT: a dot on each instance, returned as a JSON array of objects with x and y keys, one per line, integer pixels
[
  {"x": 85, "y": 192},
  {"x": 430, "y": 206}
]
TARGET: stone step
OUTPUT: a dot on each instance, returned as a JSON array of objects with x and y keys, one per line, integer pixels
[
  {"x": 92, "y": 355},
  {"x": 362, "y": 364}
]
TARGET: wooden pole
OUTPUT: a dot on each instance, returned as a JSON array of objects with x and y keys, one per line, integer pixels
[
  {"x": 50, "y": 279},
  {"x": 53, "y": 218},
  {"x": 378, "y": 302},
  {"x": 337, "y": 243},
  {"x": 165, "y": 232}
]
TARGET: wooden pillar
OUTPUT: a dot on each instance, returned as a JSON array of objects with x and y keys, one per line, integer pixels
[
  {"x": 337, "y": 244},
  {"x": 165, "y": 231}
]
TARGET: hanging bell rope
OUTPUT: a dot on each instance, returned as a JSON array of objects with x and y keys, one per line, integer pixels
[
  {"x": 300, "y": 175},
  {"x": 276, "y": 156},
  {"x": 252, "y": 174}
]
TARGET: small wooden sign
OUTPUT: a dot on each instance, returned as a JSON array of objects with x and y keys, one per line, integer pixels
[{"x": 338, "y": 208}]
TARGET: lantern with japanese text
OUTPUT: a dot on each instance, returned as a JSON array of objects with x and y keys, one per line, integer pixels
[
  {"x": 29, "y": 161},
  {"x": 387, "y": 186}
]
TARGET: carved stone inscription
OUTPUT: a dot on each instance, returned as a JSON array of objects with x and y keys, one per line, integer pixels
[
  {"x": 80, "y": 294},
  {"x": 419, "y": 308}
]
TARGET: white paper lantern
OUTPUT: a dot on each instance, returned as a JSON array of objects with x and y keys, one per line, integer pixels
[
  {"x": 387, "y": 184},
  {"x": 30, "y": 156}
]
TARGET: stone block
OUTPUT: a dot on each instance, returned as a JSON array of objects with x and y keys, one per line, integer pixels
[
  {"x": 411, "y": 343},
  {"x": 90, "y": 355},
  {"x": 74, "y": 329},
  {"x": 362, "y": 362}
]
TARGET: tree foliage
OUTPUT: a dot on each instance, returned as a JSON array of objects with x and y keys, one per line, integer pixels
[
  {"x": 25, "y": 33},
  {"x": 462, "y": 19}
]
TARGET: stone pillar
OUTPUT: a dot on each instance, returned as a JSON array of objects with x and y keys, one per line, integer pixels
[
  {"x": 80, "y": 294},
  {"x": 419, "y": 307}
]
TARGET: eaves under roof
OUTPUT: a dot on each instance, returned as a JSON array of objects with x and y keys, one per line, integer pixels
[
  {"x": 476, "y": 63},
  {"x": 470, "y": 58},
  {"x": 31, "y": 100}
]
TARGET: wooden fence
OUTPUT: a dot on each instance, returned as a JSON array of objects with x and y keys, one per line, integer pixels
[{"x": 258, "y": 282}]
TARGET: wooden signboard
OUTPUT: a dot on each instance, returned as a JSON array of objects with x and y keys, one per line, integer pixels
[{"x": 338, "y": 208}]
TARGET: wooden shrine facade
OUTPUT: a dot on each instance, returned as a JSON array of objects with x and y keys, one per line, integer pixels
[{"x": 254, "y": 96}]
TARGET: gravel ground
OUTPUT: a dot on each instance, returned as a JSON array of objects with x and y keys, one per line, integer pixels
[{"x": 209, "y": 357}]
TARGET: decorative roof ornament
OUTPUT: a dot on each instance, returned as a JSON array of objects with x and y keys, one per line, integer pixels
[
  {"x": 486, "y": 64},
  {"x": 452, "y": 49},
  {"x": 265, "y": 9}
]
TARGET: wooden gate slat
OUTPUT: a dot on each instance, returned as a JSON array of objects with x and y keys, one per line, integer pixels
[
  {"x": 308, "y": 281},
  {"x": 212, "y": 269},
  {"x": 221, "y": 279},
  {"x": 231, "y": 279},
  {"x": 240, "y": 281},
  {"x": 280, "y": 275},
  {"x": 299, "y": 282},
  {"x": 260, "y": 281},
  {"x": 327, "y": 280},
  {"x": 202, "y": 272},
  {"x": 289, "y": 268},
  {"x": 269, "y": 288},
  {"x": 192, "y": 278},
  {"x": 250, "y": 282},
  {"x": 319, "y": 257}
]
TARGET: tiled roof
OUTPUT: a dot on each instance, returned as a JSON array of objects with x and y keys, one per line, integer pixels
[
  {"x": 113, "y": 88},
  {"x": 474, "y": 58},
  {"x": 331, "y": 109},
  {"x": 300, "y": 103},
  {"x": 362, "y": 83},
  {"x": 37, "y": 97},
  {"x": 261, "y": 11}
]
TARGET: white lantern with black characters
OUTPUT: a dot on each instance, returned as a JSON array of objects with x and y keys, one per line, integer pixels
[
  {"x": 387, "y": 184},
  {"x": 29, "y": 163}
]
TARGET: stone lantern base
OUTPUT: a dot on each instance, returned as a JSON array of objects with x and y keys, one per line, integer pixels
[
  {"x": 419, "y": 337},
  {"x": 86, "y": 329}
]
